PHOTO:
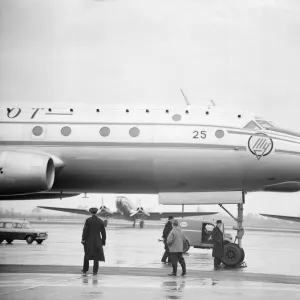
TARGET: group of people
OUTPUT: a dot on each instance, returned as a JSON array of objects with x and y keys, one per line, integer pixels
[
  {"x": 173, "y": 239},
  {"x": 94, "y": 238}
]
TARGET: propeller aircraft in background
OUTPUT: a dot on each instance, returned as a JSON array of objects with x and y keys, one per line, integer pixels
[{"x": 126, "y": 210}]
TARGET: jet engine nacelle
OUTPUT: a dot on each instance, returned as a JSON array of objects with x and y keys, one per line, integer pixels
[{"x": 24, "y": 173}]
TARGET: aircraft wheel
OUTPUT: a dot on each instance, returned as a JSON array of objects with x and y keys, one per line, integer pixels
[
  {"x": 29, "y": 239},
  {"x": 9, "y": 241},
  {"x": 186, "y": 245},
  {"x": 243, "y": 255},
  {"x": 105, "y": 223},
  {"x": 142, "y": 224},
  {"x": 233, "y": 255}
]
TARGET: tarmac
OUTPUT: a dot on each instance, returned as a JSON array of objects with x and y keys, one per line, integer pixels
[{"x": 133, "y": 270}]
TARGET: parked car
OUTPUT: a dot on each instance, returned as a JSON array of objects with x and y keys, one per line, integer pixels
[
  {"x": 198, "y": 234},
  {"x": 11, "y": 229}
]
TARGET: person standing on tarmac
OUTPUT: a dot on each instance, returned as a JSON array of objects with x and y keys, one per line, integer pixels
[
  {"x": 167, "y": 230},
  {"x": 218, "y": 249},
  {"x": 92, "y": 242},
  {"x": 175, "y": 243}
]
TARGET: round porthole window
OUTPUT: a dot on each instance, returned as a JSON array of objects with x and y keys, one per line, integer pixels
[
  {"x": 219, "y": 134},
  {"x": 104, "y": 131},
  {"x": 66, "y": 131},
  {"x": 176, "y": 118},
  {"x": 134, "y": 132},
  {"x": 37, "y": 130}
]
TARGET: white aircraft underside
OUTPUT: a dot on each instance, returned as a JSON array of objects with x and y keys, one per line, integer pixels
[{"x": 115, "y": 151}]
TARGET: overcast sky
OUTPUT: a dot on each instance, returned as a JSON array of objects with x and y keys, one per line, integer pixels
[{"x": 139, "y": 53}]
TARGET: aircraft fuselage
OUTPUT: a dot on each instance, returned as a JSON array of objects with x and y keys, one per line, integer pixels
[{"x": 139, "y": 152}]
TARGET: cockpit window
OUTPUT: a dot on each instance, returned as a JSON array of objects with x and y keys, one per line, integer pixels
[
  {"x": 252, "y": 125},
  {"x": 265, "y": 124}
]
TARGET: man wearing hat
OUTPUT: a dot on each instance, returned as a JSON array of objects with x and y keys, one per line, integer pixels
[
  {"x": 218, "y": 250},
  {"x": 92, "y": 242},
  {"x": 167, "y": 230}
]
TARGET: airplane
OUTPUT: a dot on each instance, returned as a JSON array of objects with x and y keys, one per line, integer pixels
[
  {"x": 128, "y": 211},
  {"x": 185, "y": 155},
  {"x": 286, "y": 218},
  {"x": 48, "y": 153}
]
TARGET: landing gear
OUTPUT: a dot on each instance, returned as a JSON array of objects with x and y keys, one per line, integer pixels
[
  {"x": 142, "y": 224},
  {"x": 133, "y": 225},
  {"x": 234, "y": 254}
]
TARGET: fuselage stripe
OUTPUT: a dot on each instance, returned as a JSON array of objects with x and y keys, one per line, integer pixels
[{"x": 118, "y": 144}]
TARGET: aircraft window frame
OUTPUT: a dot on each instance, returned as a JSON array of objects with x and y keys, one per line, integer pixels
[
  {"x": 256, "y": 126},
  {"x": 66, "y": 131},
  {"x": 176, "y": 118},
  {"x": 104, "y": 131},
  {"x": 37, "y": 130},
  {"x": 219, "y": 134},
  {"x": 134, "y": 132},
  {"x": 264, "y": 124}
]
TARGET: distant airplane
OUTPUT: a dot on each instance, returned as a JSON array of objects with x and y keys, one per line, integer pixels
[
  {"x": 127, "y": 211},
  {"x": 286, "y": 218}
]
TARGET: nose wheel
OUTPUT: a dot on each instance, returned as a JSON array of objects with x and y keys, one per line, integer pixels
[
  {"x": 142, "y": 224},
  {"x": 234, "y": 254}
]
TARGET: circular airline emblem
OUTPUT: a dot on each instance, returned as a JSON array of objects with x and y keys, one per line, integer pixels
[
  {"x": 183, "y": 224},
  {"x": 260, "y": 145}
]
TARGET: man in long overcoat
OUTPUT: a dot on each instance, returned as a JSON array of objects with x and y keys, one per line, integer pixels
[
  {"x": 93, "y": 242},
  {"x": 167, "y": 230},
  {"x": 218, "y": 250}
]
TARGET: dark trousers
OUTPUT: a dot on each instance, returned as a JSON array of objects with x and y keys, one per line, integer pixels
[
  {"x": 217, "y": 261},
  {"x": 175, "y": 258},
  {"x": 166, "y": 254},
  {"x": 86, "y": 265}
]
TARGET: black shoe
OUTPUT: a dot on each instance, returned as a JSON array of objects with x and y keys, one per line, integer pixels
[
  {"x": 183, "y": 274},
  {"x": 83, "y": 272},
  {"x": 172, "y": 274},
  {"x": 163, "y": 261},
  {"x": 217, "y": 268},
  {"x": 94, "y": 273}
]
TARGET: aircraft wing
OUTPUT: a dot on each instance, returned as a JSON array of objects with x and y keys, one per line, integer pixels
[
  {"x": 69, "y": 210},
  {"x": 286, "y": 218},
  {"x": 114, "y": 215},
  {"x": 159, "y": 216}
]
